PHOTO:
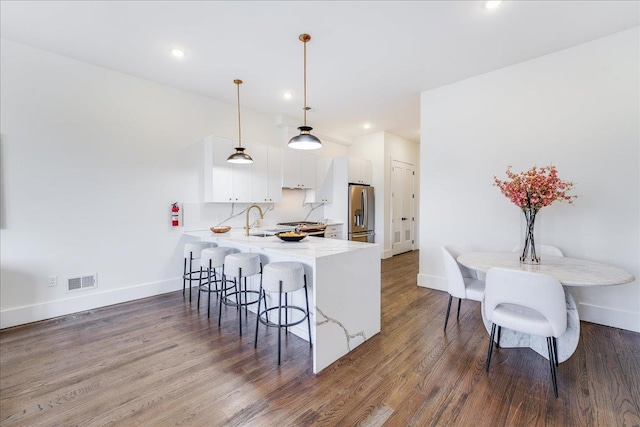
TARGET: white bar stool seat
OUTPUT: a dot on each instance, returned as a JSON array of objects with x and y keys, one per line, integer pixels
[
  {"x": 283, "y": 278},
  {"x": 239, "y": 266},
  {"x": 192, "y": 251},
  {"x": 210, "y": 260}
]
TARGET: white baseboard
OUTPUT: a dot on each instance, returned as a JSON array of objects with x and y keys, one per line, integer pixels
[
  {"x": 387, "y": 254},
  {"x": 433, "y": 282},
  {"x": 608, "y": 316},
  {"x": 90, "y": 300}
]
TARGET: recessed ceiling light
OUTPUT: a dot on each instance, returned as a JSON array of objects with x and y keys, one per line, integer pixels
[
  {"x": 366, "y": 126},
  {"x": 178, "y": 53},
  {"x": 287, "y": 95},
  {"x": 492, "y": 4}
]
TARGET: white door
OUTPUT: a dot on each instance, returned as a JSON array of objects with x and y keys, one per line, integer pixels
[{"x": 402, "y": 203}]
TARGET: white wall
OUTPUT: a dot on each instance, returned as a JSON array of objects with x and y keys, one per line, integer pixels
[
  {"x": 91, "y": 162},
  {"x": 578, "y": 109}
]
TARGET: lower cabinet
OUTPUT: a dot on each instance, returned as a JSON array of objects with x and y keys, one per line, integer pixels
[{"x": 334, "y": 231}]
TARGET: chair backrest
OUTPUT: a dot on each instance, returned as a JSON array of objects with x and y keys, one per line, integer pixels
[
  {"x": 535, "y": 291},
  {"x": 456, "y": 272},
  {"x": 543, "y": 250}
]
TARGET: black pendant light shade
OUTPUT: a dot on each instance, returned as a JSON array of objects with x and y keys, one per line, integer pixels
[
  {"x": 305, "y": 141},
  {"x": 239, "y": 157}
]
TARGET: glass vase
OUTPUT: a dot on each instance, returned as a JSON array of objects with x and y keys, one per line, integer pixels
[{"x": 529, "y": 254}]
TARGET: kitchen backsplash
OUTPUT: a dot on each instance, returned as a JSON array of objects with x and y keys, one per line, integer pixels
[{"x": 293, "y": 207}]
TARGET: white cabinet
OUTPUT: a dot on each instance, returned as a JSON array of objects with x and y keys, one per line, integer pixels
[
  {"x": 298, "y": 169},
  {"x": 334, "y": 231},
  {"x": 260, "y": 181},
  {"x": 359, "y": 171},
  {"x": 323, "y": 192},
  {"x": 274, "y": 174},
  {"x": 224, "y": 182}
]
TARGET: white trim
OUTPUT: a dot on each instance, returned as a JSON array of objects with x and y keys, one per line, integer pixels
[
  {"x": 433, "y": 282},
  {"x": 387, "y": 254},
  {"x": 88, "y": 301},
  {"x": 607, "y": 316}
]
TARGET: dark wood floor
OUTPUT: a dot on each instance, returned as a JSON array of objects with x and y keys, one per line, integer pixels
[{"x": 160, "y": 361}]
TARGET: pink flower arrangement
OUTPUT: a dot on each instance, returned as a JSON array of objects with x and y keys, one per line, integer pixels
[{"x": 535, "y": 188}]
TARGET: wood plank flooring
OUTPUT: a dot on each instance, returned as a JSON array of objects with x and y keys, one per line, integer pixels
[{"x": 159, "y": 362}]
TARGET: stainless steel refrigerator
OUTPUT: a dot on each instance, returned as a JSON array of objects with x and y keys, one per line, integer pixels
[{"x": 361, "y": 213}]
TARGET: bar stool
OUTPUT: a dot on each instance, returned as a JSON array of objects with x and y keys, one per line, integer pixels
[
  {"x": 210, "y": 260},
  {"x": 282, "y": 278},
  {"x": 239, "y": 266},
  {"x": 192, "y": 251}
]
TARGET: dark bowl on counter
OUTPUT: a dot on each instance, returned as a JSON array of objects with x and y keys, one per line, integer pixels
[{"x": 288, "y": 237}]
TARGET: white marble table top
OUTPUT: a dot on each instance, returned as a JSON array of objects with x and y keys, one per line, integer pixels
[{"x": 568, "y": 271}]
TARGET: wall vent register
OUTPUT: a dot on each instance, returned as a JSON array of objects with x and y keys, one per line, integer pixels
[{"x": 82, "y": 282}]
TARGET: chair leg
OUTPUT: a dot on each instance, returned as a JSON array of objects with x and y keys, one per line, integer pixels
[
  {"x": 240, "y": 300},
  {"x": 458, "y": 315},
  {"x": 223, "y": 296},
  {"x": 555, "y": 349},
  {"x": 446, "y": 319},
  {"x": 279, "y": 322},
  {"x": 306, "y": 297},
  {"x": 493, "y": 332},
  {"x": 552, "y": 365},
  {"x": 209, "y": 293},
  {"x": 498, "y": 340},
  {"x": 184, "y": 277},
  {"x": 260, "y": 292}
]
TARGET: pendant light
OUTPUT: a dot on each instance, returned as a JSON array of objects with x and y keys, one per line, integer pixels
[
  {"x": 305, "y": 141},
  {"x": 239, "y": 157}
]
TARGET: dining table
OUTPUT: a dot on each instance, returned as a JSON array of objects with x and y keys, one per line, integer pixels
[{"x": 570, "y": 272}]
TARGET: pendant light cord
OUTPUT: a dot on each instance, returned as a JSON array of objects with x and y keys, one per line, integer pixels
[
  {"x": 305, "y": 82},
  {"x": 304, "y": 38},
  {"x": 238, "y": 83}
]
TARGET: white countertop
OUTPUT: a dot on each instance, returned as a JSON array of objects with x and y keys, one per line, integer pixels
[
  {"x": 309, "y": 247},
  {"x": 568, "y": 271}
]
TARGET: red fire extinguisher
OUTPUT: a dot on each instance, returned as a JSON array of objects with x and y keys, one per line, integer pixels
[{"x": 175, "y": 214}]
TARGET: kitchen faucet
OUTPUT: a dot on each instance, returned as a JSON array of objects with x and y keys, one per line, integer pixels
[{"x": 247, "y": 222}]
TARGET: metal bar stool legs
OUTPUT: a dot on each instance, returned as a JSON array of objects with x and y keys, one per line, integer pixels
[
  {"x": 283, "y": 278},
  {"x": 240, "y": 266},
  {"x": 192, "y": 252}
]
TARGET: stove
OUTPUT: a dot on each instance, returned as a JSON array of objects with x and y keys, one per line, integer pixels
[{"x": 311, "y": 228}]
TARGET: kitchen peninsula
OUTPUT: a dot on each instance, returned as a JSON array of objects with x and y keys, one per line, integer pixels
[{"x": 343, "y": 278}]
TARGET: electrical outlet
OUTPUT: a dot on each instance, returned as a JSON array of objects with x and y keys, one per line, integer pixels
[{"x": 53, "y": 281}]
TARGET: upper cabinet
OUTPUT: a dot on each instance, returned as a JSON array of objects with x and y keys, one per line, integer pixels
[
  {"x": 266, "y": 174},
  {"x": 324, "y": 181},
  {"x": 260, "y": 181},
  {"x": 359, "y": 171},
  {"x": 298, "y": 169}
]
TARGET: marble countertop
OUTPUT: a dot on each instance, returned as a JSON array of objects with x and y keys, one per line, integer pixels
[
  {"x": 309, "y": 247},
  {"x": 568, "y": 271}
]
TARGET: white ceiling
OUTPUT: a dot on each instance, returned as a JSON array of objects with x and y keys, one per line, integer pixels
[{"x": 368, "y": 61}]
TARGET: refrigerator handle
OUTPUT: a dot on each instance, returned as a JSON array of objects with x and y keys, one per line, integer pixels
[{"x": 365, "y": 212}]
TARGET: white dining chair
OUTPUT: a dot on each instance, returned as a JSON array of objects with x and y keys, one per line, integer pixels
[
  {"x": 542, "y": 250},
  {"x": 531, "y": 303},
  {"x": 463, "y": 283}
]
